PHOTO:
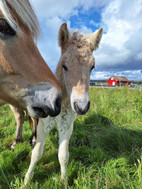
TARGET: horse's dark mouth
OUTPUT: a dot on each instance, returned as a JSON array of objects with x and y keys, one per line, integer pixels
[{"x": 40, "y": 112}]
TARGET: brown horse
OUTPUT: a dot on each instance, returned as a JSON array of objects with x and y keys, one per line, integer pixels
[
  {"x": 26, "y": 81},
  {"x": 19, "y": 117}
]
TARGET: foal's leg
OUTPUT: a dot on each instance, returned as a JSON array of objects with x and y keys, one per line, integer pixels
[
  {"x": 37, "y": 151},
  {"x": 19, "y": 116},
  {"x": 63, "y": 153}
]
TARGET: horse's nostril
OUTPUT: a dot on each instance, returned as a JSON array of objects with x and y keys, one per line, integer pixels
[
  {"x": 88, "y": 105},
  {"x": 58, "y": 104},
  {"x": 76, "y": 107},
  {"x": 54, "y": 111}
]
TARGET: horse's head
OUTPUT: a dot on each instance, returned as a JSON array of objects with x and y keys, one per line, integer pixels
[
  {"x": 25, "y": 79},
  {"x": 77, "y": 61}
]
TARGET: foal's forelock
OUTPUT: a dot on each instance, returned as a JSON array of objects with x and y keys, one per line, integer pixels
[
  {"x": 24, "y": 12},
  {"x": 81, "y": 40}
]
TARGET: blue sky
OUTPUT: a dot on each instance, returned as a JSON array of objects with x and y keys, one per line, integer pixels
[{"x": 120, "y": 51}]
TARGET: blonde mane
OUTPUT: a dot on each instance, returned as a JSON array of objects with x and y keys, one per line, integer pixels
[
  {"x": 80, "y": 40},
  {"x": 25, "y": 13}
]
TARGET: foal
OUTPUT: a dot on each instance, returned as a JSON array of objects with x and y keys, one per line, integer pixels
[{"x": 73, "y": 73}]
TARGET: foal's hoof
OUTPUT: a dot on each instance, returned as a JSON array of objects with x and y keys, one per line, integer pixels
[
  {"x": 26, "y": 182},
  {"x": 64, "y": 183},
  {"x": 12, "y": 146}
]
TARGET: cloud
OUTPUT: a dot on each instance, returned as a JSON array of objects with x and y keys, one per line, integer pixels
[
  {"x": 48, "y": 43},
  {"x": 99, "y": 75},
  {"x": 107, "y": 74},
  {"x": 120, "y": 48},
  {"x": 51, "y": 15},
  {"x": 64, "y": 8},
  {"x": 139, "y": 56},
  {"x": 122, "y": 42}
]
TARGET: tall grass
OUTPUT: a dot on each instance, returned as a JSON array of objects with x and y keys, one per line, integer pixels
[{"x": 105, "y": 148}]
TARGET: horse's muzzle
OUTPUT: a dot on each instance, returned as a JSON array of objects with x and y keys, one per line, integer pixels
[{"x": 44, "y": 111}]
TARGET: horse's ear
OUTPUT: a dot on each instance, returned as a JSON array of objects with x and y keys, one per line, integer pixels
[
  {"x": 64, "y": 35},
  {"x": 96, "y": 38}
]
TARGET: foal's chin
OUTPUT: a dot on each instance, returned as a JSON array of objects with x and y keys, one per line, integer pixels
[{"x": 82, "y": 112}]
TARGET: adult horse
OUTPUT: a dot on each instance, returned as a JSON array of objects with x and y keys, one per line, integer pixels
[
  {"x": 19, "y": 117},
  {"x": 26, "y": 81}
]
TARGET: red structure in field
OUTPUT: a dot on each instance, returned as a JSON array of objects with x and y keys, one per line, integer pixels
[{"x": 118, "y": 80}]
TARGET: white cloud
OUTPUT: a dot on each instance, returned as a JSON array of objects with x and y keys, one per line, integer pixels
[
  {"x": 99, "y": 75},
  {"x": 122, "y": 41},
  {"x": 139, "y": 56},
  {"x": 92, "y": 22},
  {"x": 84, "y": 29},
  {"x": 64, "y": 8},
  {"x": 51, "y": 15},
  {"x": 121, "y": 45},
  {"x": 106, "y": 75}
]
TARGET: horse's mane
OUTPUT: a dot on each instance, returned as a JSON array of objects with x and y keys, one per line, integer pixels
[{"x": 25, "y": 13}]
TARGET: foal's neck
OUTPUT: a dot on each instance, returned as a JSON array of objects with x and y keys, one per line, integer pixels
[{"x": 59, "y": 76}]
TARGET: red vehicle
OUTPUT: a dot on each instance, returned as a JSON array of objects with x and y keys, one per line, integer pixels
[{"x": 118, "y": 80}]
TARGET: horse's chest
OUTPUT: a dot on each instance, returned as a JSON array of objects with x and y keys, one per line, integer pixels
[
  {"x": 65, "y": 119},
  {"x": 61, "y": 122}
]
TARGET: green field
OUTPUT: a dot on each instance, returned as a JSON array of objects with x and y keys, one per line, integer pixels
[{"x": 105, "y": 148}]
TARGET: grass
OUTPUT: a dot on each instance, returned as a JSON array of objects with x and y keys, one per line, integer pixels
[{"x": 105, "y": 148}]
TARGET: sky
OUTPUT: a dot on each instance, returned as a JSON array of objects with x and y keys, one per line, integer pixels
[{"x": 120, "y": 50}]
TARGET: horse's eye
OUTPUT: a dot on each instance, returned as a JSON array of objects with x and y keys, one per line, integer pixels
[
  {"x": 65, "y": 68},
  {"x": 5, "y": 28},
  {"x": 92, "y": 67}
]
